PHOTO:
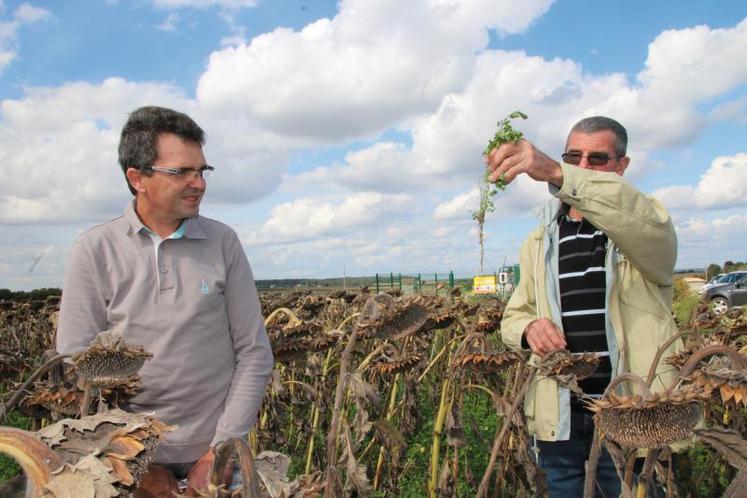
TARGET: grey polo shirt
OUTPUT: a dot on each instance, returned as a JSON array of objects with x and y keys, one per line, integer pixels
[{"x": 189, "y": 299}]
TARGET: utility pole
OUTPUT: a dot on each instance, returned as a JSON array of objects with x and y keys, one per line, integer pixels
[{"x": 344, "y": 278}]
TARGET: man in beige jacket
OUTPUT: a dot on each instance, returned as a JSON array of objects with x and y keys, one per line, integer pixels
[{"x": 596, "y": 275}]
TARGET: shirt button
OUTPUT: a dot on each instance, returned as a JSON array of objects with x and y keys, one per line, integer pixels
[
  {"x": 164, "y": 269},
  {"x": 573, "y": 192}
]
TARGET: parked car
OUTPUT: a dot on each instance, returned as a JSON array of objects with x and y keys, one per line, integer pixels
[
  {"x": 716, "y": 279},
  {"x": 730, "y": 293}
]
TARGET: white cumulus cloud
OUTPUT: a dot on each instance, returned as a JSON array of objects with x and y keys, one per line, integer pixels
[
  {"x": 714, "y": 240},
  {"x": 58, "y": 147},
  {"x": 24, "y": 14},
  {"x": 310, "y": 218},
  {"x": 459, "y": 207},
  {"x": 722, "y": 186},
  {"x": 373, "y": 64}
]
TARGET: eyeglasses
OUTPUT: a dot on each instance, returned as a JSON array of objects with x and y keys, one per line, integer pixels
[
  {"x": 203, "y": 172},
  {"x": 593, "y": 158}
]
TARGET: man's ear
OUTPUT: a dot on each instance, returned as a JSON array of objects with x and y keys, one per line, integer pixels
[
  {"x": 135, "y": 177},
  {"x": 623, "y": 163}
]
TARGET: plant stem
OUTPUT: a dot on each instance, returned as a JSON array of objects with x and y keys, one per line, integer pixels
[
  {"x": 315, "y": 417},
  {"x": 435, "y": 360},
  {"x": 390, "y": 409},
  {"x": 483, "y": 489},
  {"x": 443, "y": 408},
  {"x": 329, "y": 491},
  {"x": 11, "y": 403}
]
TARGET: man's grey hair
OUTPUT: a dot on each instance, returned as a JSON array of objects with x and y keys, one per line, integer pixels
[
  {"x": 137, "y": 143},
  {"x": 601, "y": 123}
]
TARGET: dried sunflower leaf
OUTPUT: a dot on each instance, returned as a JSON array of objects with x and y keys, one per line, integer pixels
[
  {"x": 120, "y": 470},
  {"x": 71, "y": 483},
  {"x": 389, "y": 435},
  {"x": 361, "y": 424},
  {"x": 726, "y": 391},
  {"x": 362, "y": 389},
  {"x": 356, "y": 473},
  {"x": 123, "y": 448}
]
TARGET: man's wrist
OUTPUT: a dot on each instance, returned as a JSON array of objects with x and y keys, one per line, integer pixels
[
  {"x": 556, "y": 178},
  {"x": 524, "y": 342}
]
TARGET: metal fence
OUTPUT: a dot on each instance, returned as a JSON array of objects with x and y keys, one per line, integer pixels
[
  {"x": 506, "y": 279},
  {"x": 420, "y": 283}
]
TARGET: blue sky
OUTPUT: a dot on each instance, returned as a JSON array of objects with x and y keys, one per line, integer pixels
[{"x": 348, "y": 134}]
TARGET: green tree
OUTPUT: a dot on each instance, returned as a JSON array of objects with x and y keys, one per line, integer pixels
[{"x": 712, "y": 270}]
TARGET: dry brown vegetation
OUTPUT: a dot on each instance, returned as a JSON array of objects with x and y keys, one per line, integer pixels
[{"x": 389, "y": 395}]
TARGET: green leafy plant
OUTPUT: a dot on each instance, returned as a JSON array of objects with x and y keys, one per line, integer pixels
[{"x": 505, "y": 133}]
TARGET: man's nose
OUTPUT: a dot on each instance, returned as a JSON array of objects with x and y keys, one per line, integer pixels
[
  {"x": 584, "y": 163},
  {"x": 197, "y": 182}
]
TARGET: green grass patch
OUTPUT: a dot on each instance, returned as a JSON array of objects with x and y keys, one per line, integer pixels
[
  {"x": 684, "y": 306},
  {"x": 8, "y": 466}
]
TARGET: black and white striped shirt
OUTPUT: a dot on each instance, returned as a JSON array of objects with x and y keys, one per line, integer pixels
[{"x": 582, "y": 278}]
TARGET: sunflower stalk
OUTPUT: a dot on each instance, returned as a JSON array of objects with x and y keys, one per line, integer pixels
[
  {"x": 483, "y": 488},
  {"x": 334, "y": 426},
  {"x": 443, "y": 408},
  {"x": 316, "y": 414},
  {"x": 390, "y": 410}
]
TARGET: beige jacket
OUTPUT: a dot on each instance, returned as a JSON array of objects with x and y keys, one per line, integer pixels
[{"x": 641, "y": 254}]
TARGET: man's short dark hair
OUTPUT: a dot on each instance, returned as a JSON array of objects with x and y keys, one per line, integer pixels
[
  {"x": 601, "y": 123},
  {"x": 137, "y": 143}
]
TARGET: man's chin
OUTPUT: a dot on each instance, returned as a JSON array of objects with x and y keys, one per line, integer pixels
[{"x": 190, "y": 212}]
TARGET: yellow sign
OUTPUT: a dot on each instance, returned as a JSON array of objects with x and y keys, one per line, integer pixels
[{"x": 484, "y": 284}]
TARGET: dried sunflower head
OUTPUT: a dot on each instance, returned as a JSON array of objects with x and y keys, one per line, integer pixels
[
  {"x": 474, "y": 354},
  {"x": 486, "y": 363},
  {"x": 303, "y": 328},
  {"x": 109, "y": 360},
  {"x": 320, "y": 342},
  {"x": 721, "y": 380},
  {"x": 288, "y": 349},
  {"x": 392, "y": 361},
  {"x": 653, "y": 422},
  {"x": 646, "y": 420},
  {"x": 489, "y": 315},
  {"x": 562, "y": 363},
  {"x": 61, "y": 399},
  {"x": 387, "y": 317}
]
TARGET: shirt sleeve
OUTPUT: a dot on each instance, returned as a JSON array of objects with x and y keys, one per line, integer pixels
[
  {"x": 253, "y": 355},
  {"x": 83, "y": 307},
  {"x": 521, "y": 308}
]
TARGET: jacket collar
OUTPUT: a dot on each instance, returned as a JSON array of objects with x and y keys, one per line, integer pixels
[{"x": 549, "y": 211}]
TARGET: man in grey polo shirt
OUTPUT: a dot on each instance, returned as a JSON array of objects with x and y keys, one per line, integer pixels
[{"x": 180, "y": 285}]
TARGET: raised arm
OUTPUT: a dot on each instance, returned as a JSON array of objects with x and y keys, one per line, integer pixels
[{"x": 637, "y": 223}]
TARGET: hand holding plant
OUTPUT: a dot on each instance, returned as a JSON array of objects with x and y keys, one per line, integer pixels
[{"x": 504, "y": 134}]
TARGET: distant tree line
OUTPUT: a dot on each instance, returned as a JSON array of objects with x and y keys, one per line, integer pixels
[
  {"x": 714, "y": 269},
  {"x": 34, "y": 295}
]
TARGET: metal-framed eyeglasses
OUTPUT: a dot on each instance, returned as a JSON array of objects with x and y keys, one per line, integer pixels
[
  {"x": 593, "y": 158},
  {"x": 186, "y": 174}
]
